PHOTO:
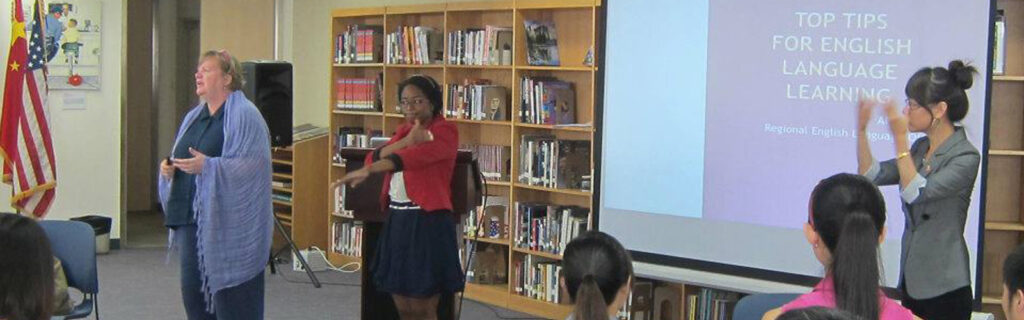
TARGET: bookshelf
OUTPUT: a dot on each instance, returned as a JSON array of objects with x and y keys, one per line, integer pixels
[
  {"x": 575, "y": 22},
  {"x": 1004, "y": 224},
  {"x": 298, "y": 189}
]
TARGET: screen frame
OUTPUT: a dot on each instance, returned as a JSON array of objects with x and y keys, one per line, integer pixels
[{"x": 758, "y": 273}]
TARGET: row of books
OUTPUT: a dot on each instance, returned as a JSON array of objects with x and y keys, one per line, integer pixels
[
  {"x": 347, "y": 237},
  {"x": 281, "y": 197},
  {"x": 489, "y": 220},
  {"x": 361, "y": 94},
  {"x": 547, "y": 100},
  {"x": 339, "y": 202},
  {"x": 490, "y": 46},
  {"x": 415, "y": 45},
  {"x": 281, "y": 184},
  {"x": 548, "y": 162},
  {"x": 477, "y": 99},
  {"x": 547, "y": 227},
  {"x": 359, "y": 44},
  {"x": 352, "y": 137},
  {"x": 711, "y": 304},
  {"x": 494, "y": 160},
  {"x": 537, "y": 278}
]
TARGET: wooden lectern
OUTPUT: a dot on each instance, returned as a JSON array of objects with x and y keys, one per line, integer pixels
[{"x": 364, "y": 201}]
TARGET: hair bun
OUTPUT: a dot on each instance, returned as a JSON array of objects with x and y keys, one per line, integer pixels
[{"x": 962, "y": 74}]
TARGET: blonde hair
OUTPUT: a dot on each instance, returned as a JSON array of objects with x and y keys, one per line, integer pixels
[{"x": 228, "y": 64}]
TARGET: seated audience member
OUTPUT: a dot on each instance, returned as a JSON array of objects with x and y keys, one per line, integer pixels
[
  {"x": 26, "y": 270},
  {"x": 846, "y": 223},
  {"x": 596, "y": 272},
  {"x": 1013, "y": 285},
  {"x": 817, "y": 313}
]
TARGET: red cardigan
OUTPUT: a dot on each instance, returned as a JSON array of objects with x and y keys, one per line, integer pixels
[{"x": 428, "y": 167}]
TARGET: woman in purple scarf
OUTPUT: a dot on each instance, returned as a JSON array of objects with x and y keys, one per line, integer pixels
[{"x": 215, "y": 190}]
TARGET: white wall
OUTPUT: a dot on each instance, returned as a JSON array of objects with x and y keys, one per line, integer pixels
[{"x": 87, "y": 142}]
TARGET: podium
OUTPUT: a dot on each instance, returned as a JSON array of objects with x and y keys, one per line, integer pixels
[{"x": 364, "y": 201}]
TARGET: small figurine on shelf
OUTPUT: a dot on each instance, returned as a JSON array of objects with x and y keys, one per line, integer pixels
[{"x": 588, "y": 60}]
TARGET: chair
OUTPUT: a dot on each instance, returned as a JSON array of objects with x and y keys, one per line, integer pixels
[
  {"x": 754, "y": 306},
  {"x": 74, "y": 243}
]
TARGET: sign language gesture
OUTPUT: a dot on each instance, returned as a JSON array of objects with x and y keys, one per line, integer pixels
[
  {"x": 864, "y": 108},
  {"x": 419, "y": 134},
  {"x": 192, "y": 165},
  {"x": 897, "y": 121}
]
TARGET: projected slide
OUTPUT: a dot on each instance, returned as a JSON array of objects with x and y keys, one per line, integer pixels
[{"x": 721, "y": 116}]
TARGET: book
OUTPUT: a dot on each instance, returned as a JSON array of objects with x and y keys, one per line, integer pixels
[
  {"x": 358, "y": 94},
  {"x": 494, "y": 160},
  {"x": 548, "y": 228},
  {"x": 999, "y": 44},
  {"x": 491, "y": 45},
  {"x": 547, "y": 100},
  {"x": 347, "y": 238},
  {"x": 552, "y": 163},
  {"x": 414, "y": 45},
  {"x": 359, "y": 44},
  {"x": 541, "y": 43}
]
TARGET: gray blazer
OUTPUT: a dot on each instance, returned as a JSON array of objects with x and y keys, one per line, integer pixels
[{"x": 934, "y": 257}]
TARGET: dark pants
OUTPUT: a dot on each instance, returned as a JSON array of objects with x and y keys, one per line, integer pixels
[
  {"x": 244, "y": 301},
  {"x": 953, "y": 305}
]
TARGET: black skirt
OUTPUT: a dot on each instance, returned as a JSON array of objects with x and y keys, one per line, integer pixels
[{"x": 417, "y": 254}]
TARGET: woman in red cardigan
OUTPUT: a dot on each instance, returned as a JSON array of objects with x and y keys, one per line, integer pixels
[{"x": 417, "y": 255}]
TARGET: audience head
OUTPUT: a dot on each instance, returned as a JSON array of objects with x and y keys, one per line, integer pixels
[
  {"x": 420, "y": 98},
  {"x": 1013, "y": 284},
  {"x": 596, "y": 272},
  {"x": 26, "y": 269},
  {"x": 936, "y": 95},
  {"x": 817, "y": 313},
  {"x": 846, "y": 224}
]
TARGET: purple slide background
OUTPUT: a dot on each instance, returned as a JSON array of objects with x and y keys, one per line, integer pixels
[{"x": 759, "y": 177}]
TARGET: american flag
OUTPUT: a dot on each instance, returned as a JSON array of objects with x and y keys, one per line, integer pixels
[{"x": 29, "y": 164}]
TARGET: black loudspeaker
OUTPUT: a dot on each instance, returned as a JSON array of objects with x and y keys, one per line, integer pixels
[{"x": 268, "y": 84}]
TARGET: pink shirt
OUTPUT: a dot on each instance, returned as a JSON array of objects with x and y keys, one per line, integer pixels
[{"x": 823, "y": 295}]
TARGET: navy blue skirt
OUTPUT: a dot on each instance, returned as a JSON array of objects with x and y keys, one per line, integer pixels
[{"x": 418, "y": 253}]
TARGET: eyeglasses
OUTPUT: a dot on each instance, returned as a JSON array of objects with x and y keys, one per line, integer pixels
[{"x": 412, "y": 101}]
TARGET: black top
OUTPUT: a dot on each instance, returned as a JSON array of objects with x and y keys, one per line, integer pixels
[{"x": 206, "y": 134}]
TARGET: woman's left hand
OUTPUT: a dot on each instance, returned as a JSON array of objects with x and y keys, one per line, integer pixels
[
  {"x": 897, "y": 121},
  {"x": 192, "y": 165}
]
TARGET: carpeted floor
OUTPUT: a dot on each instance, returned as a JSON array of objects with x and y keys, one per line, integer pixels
[{"x": 138, "y": 284}]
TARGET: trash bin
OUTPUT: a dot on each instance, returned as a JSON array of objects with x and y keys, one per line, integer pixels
[{"x": 101, "y": 225}]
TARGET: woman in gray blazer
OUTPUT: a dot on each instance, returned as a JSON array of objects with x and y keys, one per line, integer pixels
[{"x": 936, "y": 177}]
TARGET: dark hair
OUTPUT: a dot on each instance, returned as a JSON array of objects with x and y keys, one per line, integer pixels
[
  {"x": 817, "y": 313},
  {"x": 26, "y": 269},
  {"x": 428, "y": 86},
  {"x": 595, "y": 266},
  {"x": 228, "y": 65},
  {"x": 1013, "y": 271},
  {"x": 848, "y": 212},
  {"x": 932, "y": 85}
]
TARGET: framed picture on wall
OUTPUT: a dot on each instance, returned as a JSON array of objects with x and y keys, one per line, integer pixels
[{"x": 72, "y": 43}]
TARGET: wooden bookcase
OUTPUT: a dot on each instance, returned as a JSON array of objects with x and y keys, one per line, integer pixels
[
  {"x": 1004, "y": 224},
  {"x": 302, "y": 166},
  {"x": 576, "y": 23}
]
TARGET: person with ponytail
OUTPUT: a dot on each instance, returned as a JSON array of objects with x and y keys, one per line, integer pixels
[
  {"x": 936, "y": 177},
  {"x": 846, "y": 224},
  {"x": 596, "y": 272}
]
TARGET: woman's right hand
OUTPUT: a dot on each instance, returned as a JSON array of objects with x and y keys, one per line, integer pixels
[
  {"x": 166, "y": 169},
  {"x": 864, "y": 108}
]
